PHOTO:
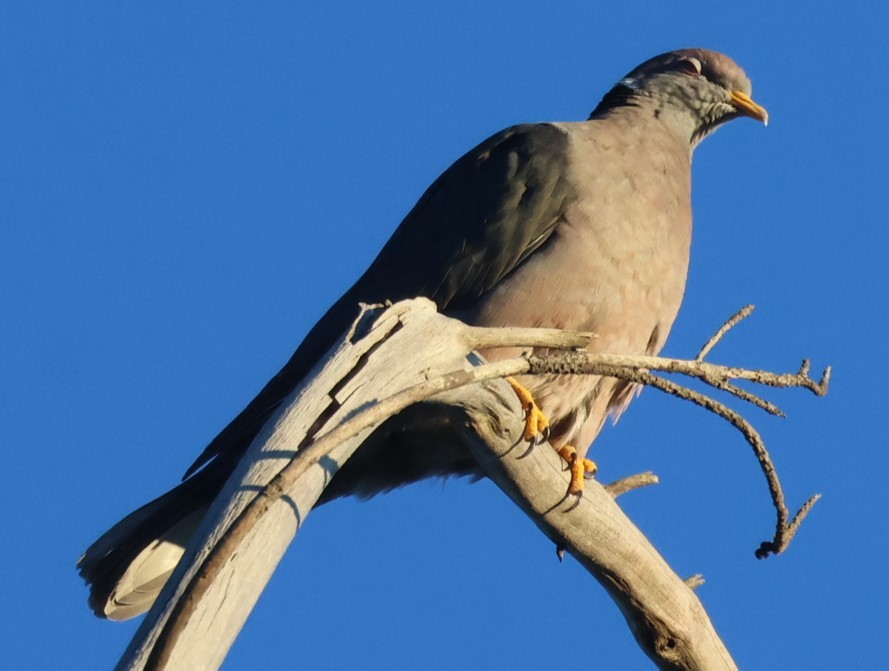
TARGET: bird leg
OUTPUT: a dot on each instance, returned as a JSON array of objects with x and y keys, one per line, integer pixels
[
  {"x": 536, "y": 423},
  {"x": 580, "y": 468}
]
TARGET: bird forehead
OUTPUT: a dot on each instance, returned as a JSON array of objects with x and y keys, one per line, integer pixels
[
  {"x": 721, "y": 69},
  {"x": 716, "y": 67}
]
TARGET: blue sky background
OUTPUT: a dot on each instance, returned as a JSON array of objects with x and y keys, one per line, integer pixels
[{"x": 183, "y": 191}]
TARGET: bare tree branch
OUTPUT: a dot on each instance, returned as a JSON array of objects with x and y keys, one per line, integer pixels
[
  {"x": 729, "y": 324},
  {"x": 205, "y": 603}
]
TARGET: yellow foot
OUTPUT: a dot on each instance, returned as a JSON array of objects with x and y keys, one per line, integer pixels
[
  {"x": 536, "y": 423},
  {"x": 580, "y": 468}
]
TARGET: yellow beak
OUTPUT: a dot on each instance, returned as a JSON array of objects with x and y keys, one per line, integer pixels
[{"x": 745, "y": 105}]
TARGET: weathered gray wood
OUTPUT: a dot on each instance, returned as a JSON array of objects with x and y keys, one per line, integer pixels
[
  {"x": 191, "y": 628},
  {"x": 664, "y": 614},
  {"x": 203, "y": 641}
]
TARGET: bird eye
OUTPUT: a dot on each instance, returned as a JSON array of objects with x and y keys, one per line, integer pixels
[{"x": 690, "y": 66}]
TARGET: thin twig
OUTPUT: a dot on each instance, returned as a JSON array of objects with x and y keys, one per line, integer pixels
[
  {"x": 729, "y": 324},
  {"x": 630, "y": 483},
  {"x": 785, "y": 535},
  {"x": 750, "y": 397},
  {"x": 784, "y": 532},
  {"x": 709, "y": 373}
]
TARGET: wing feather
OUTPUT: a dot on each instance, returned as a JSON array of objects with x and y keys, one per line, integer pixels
[{"x": 473, "y": 226}]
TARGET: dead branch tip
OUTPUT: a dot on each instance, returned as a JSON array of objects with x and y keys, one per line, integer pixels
[
  {"x": 695, "y": 581},
  {"x": 729, "y": 324},
  {"x": 786, "y": 532},
  {"x": 630, "y": 483}
]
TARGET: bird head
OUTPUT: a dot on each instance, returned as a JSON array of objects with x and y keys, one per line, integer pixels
[{"x": 695, "y": 90}]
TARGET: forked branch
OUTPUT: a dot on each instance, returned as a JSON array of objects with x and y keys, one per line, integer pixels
[
  {"x": 203, "y": 607},
  {"x": 638, "y": 370}
]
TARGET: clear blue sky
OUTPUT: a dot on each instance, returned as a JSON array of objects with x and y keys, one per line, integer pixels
[{"x": 184, "y": 191}]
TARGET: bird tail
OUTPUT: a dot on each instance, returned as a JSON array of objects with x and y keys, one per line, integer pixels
[{"x": 128, "y": 566}]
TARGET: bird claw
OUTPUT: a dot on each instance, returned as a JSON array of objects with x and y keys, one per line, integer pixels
[
  {"x": 537, "y": 430},
  {"x": 536, "y": 423},
  {"x": 582, "y": 469}
]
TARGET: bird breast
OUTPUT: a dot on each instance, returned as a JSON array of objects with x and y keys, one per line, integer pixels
[{"x": 621, "y": 250}]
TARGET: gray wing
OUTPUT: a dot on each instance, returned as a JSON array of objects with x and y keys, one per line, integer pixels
[{"x": 477, "y": 223}]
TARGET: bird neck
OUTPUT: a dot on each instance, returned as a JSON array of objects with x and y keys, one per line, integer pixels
[
  {"x": 625, "y": 104},
  {"x": 618, "y": 97}
]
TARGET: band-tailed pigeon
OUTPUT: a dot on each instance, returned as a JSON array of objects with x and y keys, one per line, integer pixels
[{"x": 582, "y": 225}]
